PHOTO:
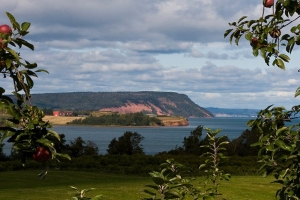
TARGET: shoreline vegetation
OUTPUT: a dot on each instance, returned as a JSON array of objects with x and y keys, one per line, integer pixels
[{"x": 67, "y": 120}]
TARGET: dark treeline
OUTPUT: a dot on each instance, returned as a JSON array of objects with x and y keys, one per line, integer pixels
[
  {"x": 125, "y": 155},
  {"x": 131, "y": 119}
]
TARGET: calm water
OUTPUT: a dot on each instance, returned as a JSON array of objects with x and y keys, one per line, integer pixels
[{"x": 156, "y": 139}]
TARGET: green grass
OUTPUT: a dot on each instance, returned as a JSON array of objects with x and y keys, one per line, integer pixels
[{"x": 25, "y": 185}]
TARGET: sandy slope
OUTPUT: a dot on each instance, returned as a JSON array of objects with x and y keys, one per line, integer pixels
[{"x": 59, "y": 119}]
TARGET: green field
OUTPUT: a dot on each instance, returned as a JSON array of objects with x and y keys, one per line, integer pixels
[{"x": 25, "y": 185}]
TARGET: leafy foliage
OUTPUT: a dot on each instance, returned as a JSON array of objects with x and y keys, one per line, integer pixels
[
  {"x": 264, "y": 33},
  {"x": 279, "y": 148},
  {"x": 278, "y": 144},
  {"x": 169, "y": 182},
  {"x": 25, "y": 127}
]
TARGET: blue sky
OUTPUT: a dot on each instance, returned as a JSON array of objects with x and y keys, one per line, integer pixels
[{"x": 151, "y": 45}]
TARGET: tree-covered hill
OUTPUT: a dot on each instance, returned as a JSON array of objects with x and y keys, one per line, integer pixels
[{"x": 162, "y": 103}]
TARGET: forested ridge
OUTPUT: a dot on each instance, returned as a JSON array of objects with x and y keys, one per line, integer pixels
[
  {"x": 171, "y": 102},
  {"x": 131, "y": 119}
]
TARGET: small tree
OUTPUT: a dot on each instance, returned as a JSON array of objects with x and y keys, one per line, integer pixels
[
  {"x": 129, "y": 143},
  {"x": 25, "y": 127},
  {"x": 279, "y": 149},
  {"x": 213, "y": 156},
  {"x": 269, "y": 37},
  {"x": 169, "y": 182}
]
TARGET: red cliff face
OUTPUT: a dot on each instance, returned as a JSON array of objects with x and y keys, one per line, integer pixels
[{"x": 134, "y": 108}]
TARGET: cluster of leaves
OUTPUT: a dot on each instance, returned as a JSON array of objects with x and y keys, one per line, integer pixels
[
  {"x": 170, "y": 184},
  {"x": 25, "y": 127},
  {"x": 278, "y": 144},
  {"x": 279, "y": 148},
  {"x": 131, "y": 119},
  {"x": 264, "y": 33}
]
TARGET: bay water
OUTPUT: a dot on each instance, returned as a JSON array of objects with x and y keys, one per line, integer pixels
[{"x": 156, "y": 139}]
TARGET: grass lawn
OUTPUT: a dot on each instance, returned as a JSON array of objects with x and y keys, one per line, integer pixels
[{"x": 25, "y": 185}]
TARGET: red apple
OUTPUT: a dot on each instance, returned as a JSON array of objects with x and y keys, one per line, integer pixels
[
  {"x": 5, "y": 29},
  {"x": 41, "y": 154},
  {"x": 254, "y": 42},
  {"x": 275, "y": 33},
  {"x": 269, "y": 3}
]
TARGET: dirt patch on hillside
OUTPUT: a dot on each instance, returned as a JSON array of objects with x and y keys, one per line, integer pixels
[
  {"x": 134, "y": 108},
  {"x": 59, "y": 120}
]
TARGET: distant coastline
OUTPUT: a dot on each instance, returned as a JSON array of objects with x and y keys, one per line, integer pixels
[
  {"x": 168, "y": 121},
  {"x": 232, "y": 112}
]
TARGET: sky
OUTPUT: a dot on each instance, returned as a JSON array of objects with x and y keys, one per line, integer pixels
[{"x": 151, "y": 45}]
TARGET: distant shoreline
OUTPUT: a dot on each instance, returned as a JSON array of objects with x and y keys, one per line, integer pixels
[{"x": 63, "y": 120}]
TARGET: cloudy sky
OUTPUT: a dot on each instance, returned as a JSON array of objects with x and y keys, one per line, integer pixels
[{"x": 151, "y": 45}]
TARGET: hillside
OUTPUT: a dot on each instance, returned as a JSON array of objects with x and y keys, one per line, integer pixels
[{"x": 159, "y": 103}]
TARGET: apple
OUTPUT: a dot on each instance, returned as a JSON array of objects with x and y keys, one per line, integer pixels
[
  {"x": 41, "y": 154},
  {"x": 269, "y": 3},
  {"x": 254, "y": 42},
  {"x": 275, "y": 33},
  {"x": 5, "y": 29}
]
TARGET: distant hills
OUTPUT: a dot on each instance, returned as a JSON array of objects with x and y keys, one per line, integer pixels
[
  {"x": 231, "y": 112},
  {"x": 159, "y": 103}
]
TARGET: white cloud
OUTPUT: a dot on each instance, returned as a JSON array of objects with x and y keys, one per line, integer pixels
[{"x": 159, "y": 45}]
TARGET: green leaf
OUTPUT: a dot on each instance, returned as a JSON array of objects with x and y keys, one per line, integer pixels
[
  {"x": 255, "y": 52},
  {"x": 55, "y": 134},
  {"x": 249, "y": 36},
  {"x": 231, "y": 37},
  {"x": 284, "y": 57},
  {"x": 297, "y": 93},
  {"x": 25, "y": 26},
  {"x": 158, "y": 180},
  {"x": 13, "y": 21},
  {"x": 45, "y": 142},
  {"x": 227, "y": 32},
  {"x": 30, "y": 65},
  {"x": 282, "y": 129},
  {"x": 282, "y": 145},
  {"x": 21, "y": 42},
  {"x": 42, "y": 70},
  {"x": 279, "y": 63},
  {"x": 250, "y": 23},
  {"x": 29, "y": 81},
  {"x": 241, "y": 19},
  {"x": 13, "y": 53}
]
